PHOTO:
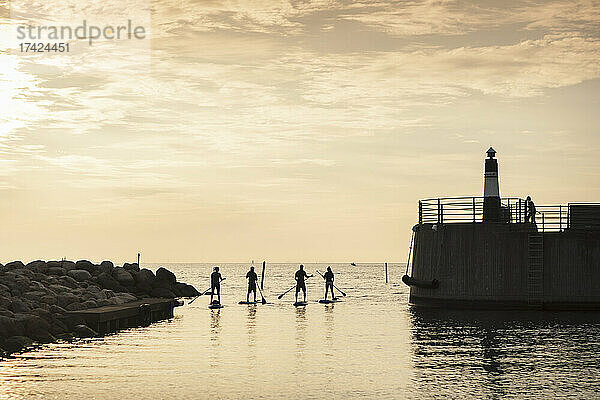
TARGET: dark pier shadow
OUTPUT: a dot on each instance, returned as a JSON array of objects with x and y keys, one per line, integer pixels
[{"x": 493, "y": 354}]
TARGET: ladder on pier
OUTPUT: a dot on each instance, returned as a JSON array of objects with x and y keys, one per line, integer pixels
[{"x": 535, "y": 271}]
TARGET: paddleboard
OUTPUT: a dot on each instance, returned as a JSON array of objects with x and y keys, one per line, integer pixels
[
  {"x": 300, "y": 303},
  {"x": 248, "y": 302},
  {"x": 323, "y": 301}
]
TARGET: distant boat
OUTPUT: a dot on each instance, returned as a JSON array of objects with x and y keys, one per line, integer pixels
[{"x": 354, "y": 264}]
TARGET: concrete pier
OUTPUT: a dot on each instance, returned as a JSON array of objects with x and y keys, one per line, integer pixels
[{"x": 114, "y": 318}]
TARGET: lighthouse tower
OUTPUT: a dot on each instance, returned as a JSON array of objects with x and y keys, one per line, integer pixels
[{"x": 491, "y": 190}]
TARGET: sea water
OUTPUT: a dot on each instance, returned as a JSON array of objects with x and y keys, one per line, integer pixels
[{"x": 371, "y": 344}]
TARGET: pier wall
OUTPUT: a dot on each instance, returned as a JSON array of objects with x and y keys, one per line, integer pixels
[{"x": 486, "y": 265}]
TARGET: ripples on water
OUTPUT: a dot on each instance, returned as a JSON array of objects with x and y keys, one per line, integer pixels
[{"x": 371, "y": 345}]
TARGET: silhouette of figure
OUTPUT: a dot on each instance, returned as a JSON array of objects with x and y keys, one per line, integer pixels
[
  {"x": 215, "y": 284},
  {"x": 252, "y": 278},
  {"x": 329, "y": 283},
  {"x": 530, "y": 215},
  {"x": 300, "y": 281}
]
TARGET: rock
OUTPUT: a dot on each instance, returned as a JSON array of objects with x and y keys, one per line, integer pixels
[
  {"x": 59, "y": 289},
  {"x": 86, "y": 265},
  {"x": 84, "y": 331},
  {"x": 145, "y": 276},
  {"x": 58, "y": 271},
  {"x": 164, "y": 274},
  {"x": 17, "y": 343},
  {"x": 23, "y": 272},
  {"x": 106, "y": 267},
  {"x": 106, "y": 281},
  {"x": 36, "y": 266},
  {"x": 67, "y": 265},
  {"x": 18, "y": 306},
  {"x": 102, "y": 303},
  {"x": 79, "y": 275},
  {"x": 36, "y": 286},
  {"x": 5, "y": 302},
  {"x": 89, "y": 304},
  {"x": 162, "y": 292},
  {"x": 133, "y": 267},
  {"x": 35, "y": 327},
  {"x": 7, "y": 313},
  {"x": 74, "y": 306},
  {"x": 54, "y": 309},
  {"x": 9, "y": 326},
  {"x": 67, "y": 298},
  {"x": 123, "y": 277},
  {"x": 64, "y": 336},
  {"x": 68, "y": 282},
  {"x": 49, "y": 299},
  {"x": 185, "y": 290},
  {"x": 14, "y": 265}
]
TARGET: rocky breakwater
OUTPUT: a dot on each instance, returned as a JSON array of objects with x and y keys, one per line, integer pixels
[{"x": 35, "y": 297}]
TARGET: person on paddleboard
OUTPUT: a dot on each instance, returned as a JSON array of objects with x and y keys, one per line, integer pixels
[
  {"x": 329, "y": 283},
  {"x": 300, "y": 281},
  {"x": 252, "y": 278},
  {"x": 215, "y": 285}
]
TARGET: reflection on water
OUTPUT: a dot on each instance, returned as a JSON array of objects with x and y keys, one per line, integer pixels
[
  {"x": 483, "y": 354},
  {"x": 371, "y": 345}
]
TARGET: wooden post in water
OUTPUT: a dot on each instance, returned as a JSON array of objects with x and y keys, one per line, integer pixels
[
  {"x": 386, "y": 274},
  {"x": 139, "y": 259},
  {"x": 262, "y": 277}
]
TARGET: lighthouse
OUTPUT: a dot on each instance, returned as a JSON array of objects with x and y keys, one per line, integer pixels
[{"x": 491, "y": 190}]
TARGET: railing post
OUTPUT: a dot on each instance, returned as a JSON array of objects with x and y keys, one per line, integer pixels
[
  {"x": 420, "y": 212},
  {"x": 543, "y": 222},
  {"x": 560, "y": 218},
  {"x": 439, "y": 207},
  {"x": 474, "y": 214},
  {"x": 520, "y": 220},
  {"x": 441, "y": 214}
]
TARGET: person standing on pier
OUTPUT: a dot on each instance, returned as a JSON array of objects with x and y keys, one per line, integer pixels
[
  {"x": 300, "y": 281},
  {"x": 329, "y": 283},
  {"x": 530, "y": 215},
  {"x": 215, "y": 285},
  {"x": 252, "y": 278}
]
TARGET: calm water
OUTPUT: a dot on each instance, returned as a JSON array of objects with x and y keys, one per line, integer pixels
[{"x": 371, "y": 345}]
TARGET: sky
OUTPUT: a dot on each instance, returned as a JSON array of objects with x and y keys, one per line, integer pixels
[{"x": 286, "y": 131}]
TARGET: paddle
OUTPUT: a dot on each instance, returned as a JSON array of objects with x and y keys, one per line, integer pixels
[
  {"x": 203, "y": 293},
  {"x": 322, "y": 276},
  {"x": 287, "y": 291},
  {"x": 261, "y": 295}
]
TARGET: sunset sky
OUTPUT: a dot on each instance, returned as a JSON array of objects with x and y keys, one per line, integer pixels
[{"x": 297, "y": 131}]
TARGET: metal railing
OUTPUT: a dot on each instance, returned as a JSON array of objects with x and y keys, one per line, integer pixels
[{"x": 548, "y": 218}]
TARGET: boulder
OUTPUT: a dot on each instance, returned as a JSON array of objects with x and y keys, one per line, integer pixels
[
  {"x": 133, "y": 267},
  {"x": 35, "y": 327},
  {"x": 49, "y": 299},
  {"x": 185, "y": 290},
  {"x": 89, "y": 304},
  {"x": 58, "y": 271},
  {"x": 54, "y": 309},
  {"x": 145, "y": 276},
  {"x": 14, "y": 265},
  {"x": 106, "y": 281},
  {"x": 36, "y": 266},
  {"x": 67, "y": 298},
  {"x": 74, "y": 306},
  {"x": 164, "y": 274},
  {"x": 84, "y": 331},
  {"x": 17, "y": 343},
  {"x": 68, "y": 282},
  {"x": 23, "y": 272},
  {"x": 7, "y": 313},
  {"x": 162, "y": 292},
  {"x": 86, "y": 265},
  {"x": 9, "y": 326},
  {"x": 106, "y": 266},
  {"x": 5, "y": 302},
  {"x": 18, "y": 306},
  {"x": 123, "y": 277},
  {"x": 80, "y": 275},
  {"x": 67, "y": 265}
]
